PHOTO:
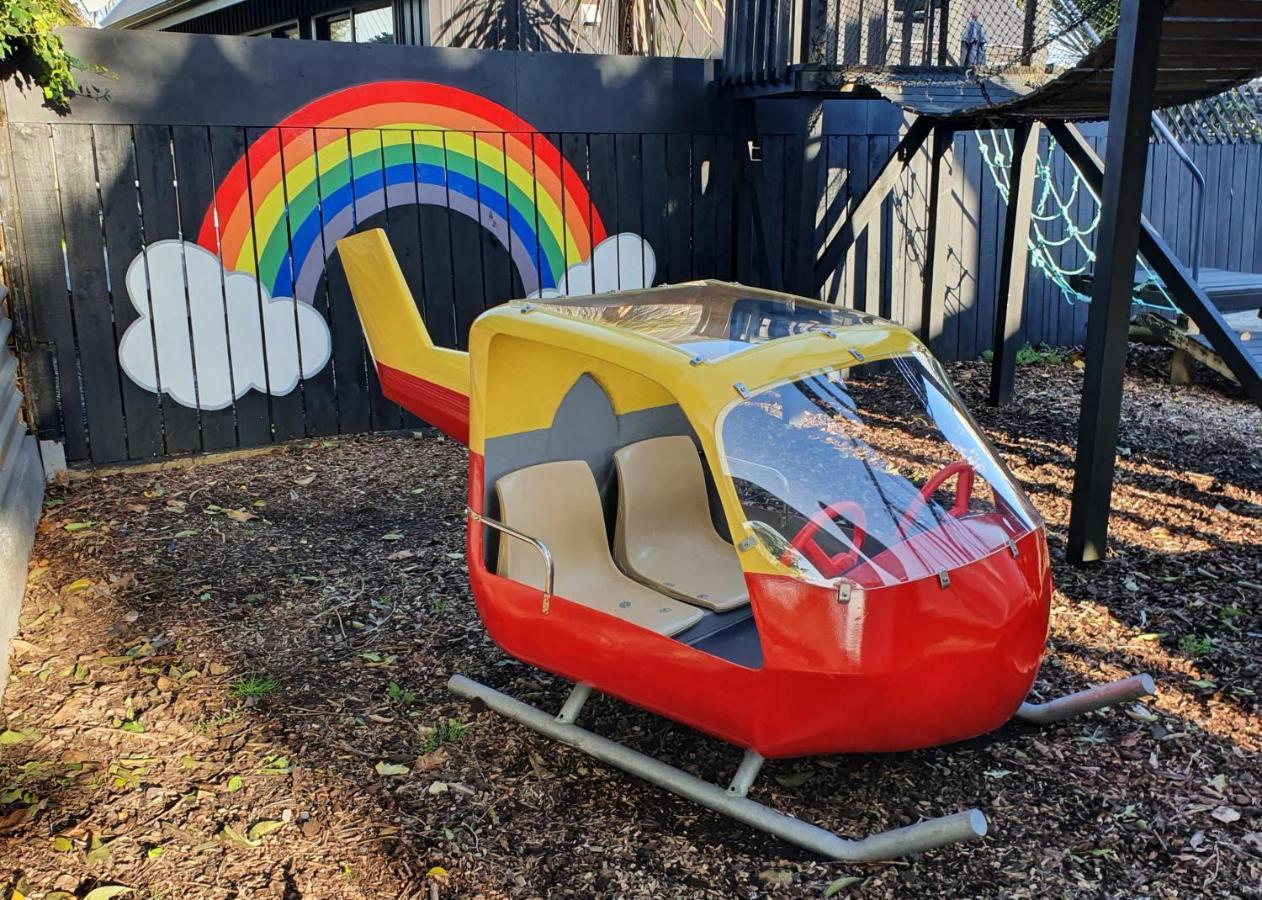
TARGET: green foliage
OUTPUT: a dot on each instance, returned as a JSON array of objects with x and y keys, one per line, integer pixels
[
  {"x": 399, "y": 694},
  {"x": 1196, "y": 645},
  {"x": 29, "y": 48},
  {"x": 1031, "y": 355},
  {"x": 254, "y": 686},
  {"x": 445, "y": 732}
]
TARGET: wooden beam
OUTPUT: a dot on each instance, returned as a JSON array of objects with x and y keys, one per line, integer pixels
[
  {"x": 933, "y": 278},
  {"x": 1121, "y": 205},
  {"x": 843, "y": 233},
  {"x": 1014, "y": 262},
  {"x": 1183, "y": 288},
  {"x": 803, "y": 198}
]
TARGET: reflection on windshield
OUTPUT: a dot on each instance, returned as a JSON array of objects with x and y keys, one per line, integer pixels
[{"x": 878, "y": 476}]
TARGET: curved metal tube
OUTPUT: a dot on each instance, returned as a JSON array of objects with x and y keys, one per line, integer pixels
[
  {"x": 1097, "y": 697},
  {"x": 548, "y": 568},
  {"x": 963, "y": 826}
]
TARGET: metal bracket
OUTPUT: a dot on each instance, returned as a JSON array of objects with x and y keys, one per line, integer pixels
[
  {"x": 549, "y": 571},
  {"x": 844, "y": 589}
]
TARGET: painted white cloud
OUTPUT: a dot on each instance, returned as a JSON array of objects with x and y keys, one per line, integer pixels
[
  {"x": 229, "y": 335},
  {"x": 621, "y": 262}
]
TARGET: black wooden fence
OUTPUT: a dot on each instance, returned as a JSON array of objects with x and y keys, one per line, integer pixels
[{"x": 147, "y": 192}]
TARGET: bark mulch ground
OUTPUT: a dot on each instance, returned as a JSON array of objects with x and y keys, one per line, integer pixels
[{"x": 229, "y": 682}]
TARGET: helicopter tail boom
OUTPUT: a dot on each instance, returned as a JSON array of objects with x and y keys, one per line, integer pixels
[{"x": 425, "y": 379}]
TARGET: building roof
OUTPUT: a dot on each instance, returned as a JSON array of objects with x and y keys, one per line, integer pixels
[{"x": 138, "y": 13}]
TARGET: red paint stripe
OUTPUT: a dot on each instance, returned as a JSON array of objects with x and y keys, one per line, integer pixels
[{"x": 445, "y": 409}]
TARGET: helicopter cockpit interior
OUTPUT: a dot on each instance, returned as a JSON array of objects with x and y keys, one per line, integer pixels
[{"x": 865, "y": 471}]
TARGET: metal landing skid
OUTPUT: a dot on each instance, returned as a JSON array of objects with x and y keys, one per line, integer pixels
[{"x": 962, "y": 826}]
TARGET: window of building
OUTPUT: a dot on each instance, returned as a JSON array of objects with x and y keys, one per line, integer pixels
[
  {"x": 368, "y": 24},
  {"x": 282, "y": 30}
]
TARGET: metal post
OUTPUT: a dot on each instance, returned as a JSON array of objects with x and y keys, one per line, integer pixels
[
  {"x": 944, "y": 27},
  {"x": 1027, "y": 36},
  {"x": 746, "y": 772},
  {"x": 904, "y": 54},
  {"x": 1126, "y": 164},
  {"x": 574, "y": 703},
  {"x": 1016, "y": 255},
  {"x": 933, "y": 297}
]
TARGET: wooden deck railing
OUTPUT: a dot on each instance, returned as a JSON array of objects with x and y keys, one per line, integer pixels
[{"x": 766, "y": 39}]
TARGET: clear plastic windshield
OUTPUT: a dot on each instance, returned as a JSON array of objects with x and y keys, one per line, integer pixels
[{"x": 876, "y": 475}]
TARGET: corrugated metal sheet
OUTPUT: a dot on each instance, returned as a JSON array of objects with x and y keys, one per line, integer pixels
[{"x": 21, "y": 498}]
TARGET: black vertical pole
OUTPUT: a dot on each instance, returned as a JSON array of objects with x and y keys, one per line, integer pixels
[
  {"x": 933, "y": 295},
  {"x": 944, "y": 27},
  {"x": 1016, "y": 256},
  {"x": 1121, "y": 202},
  {"x": 803, "y": 198},
  {"x": 904, "y": 55},
  {"x": 1027, "y": 36}
]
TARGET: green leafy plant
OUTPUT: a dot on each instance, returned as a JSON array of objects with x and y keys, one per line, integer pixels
[
  {"x": 1031, "y": 355},
  {"x": 445, "y": 732},
  {"x": 254, "y": 686},
  {"x": 1196, "y": 645},
  {"x": 30, "y": 50},
  {"x": 400, "y": 694}
]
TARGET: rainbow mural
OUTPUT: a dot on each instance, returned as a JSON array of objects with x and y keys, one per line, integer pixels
[{"x": 312, "y": 178}]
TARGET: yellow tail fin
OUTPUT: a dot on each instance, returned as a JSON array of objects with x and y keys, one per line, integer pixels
[{"x": 430, "y": 381}]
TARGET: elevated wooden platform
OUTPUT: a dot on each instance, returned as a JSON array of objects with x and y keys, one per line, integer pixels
[
  {"x": 1229, "y": 291},
  {"x": 812, "y": 47}
]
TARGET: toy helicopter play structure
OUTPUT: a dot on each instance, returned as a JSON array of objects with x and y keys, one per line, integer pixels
[{"x": 767, "y": 518}]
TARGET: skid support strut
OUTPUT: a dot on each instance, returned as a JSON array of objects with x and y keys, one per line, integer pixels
[
  {"x": 962, "y": 826},
  {"x": 1097, "y": 697}
]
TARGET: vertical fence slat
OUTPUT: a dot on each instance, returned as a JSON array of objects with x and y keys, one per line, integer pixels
[
  {"x": 319, "y": 392},
  {"x": 602, "y": 187},
  {"x": 349, "y": 353},
  {"x": 433, "y": 221},
  {"x": 704, "y": 251},
  {"x": 273, "y": 250},
  {"x": 628, "y": 166},
  {"x": 89, "y": 293},
  {"x": 34, "y": 171},
  {"x": 254, "y": 426},
  {"x": 161, "y": 221},
  {"x": 195, "y": 174},
  {"x": 497, "y": 273},
  {"x": 116, "y": 172},
  {"x": 467, "y": 261},
  {"x": 678, "y": 249},
  {"x": 655, "y": 201}
]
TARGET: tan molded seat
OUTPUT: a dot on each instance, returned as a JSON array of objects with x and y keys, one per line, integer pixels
[
  {"x": 558, "y": 503},
  {"x": 665, "y": 536}
]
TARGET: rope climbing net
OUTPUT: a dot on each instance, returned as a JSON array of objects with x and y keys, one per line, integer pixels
[{"x": 1054, "y": 211}]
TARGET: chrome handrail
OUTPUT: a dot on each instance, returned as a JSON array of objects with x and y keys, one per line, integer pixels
[{"x": 549, "y": 570}]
